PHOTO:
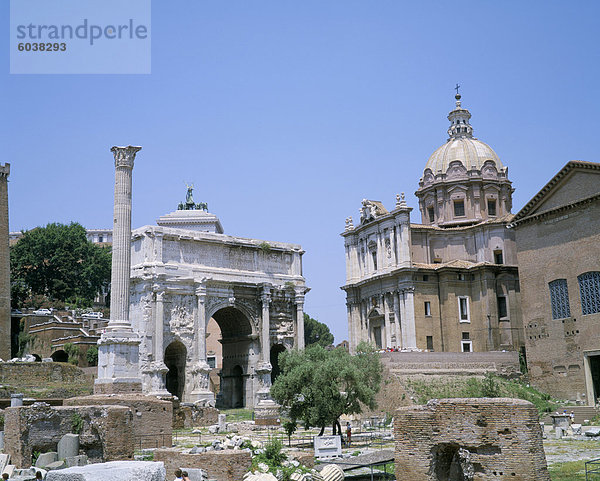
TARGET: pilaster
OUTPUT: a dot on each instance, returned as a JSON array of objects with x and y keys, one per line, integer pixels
[{"x": 200, "y": 369}]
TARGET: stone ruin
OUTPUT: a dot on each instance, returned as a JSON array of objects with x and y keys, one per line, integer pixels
[
  {"x": 105, "y": 432},
  {"x": 469, "y": 440}
]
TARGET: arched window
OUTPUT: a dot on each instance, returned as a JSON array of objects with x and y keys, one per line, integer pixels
[
  {"x": 589, "y": 288},
  {"x": 559, "y": 298}
]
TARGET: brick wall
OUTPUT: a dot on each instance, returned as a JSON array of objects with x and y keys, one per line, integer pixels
[
  {"x": 493, "y": 439},
  {"x": 562, "y": 246},
  {"x": 152, "y": 418},
  {"x": 220, "y": 465}
]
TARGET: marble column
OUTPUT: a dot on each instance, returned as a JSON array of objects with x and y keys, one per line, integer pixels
[
  {"x": 201, "y": 370},
  {"x": 5, "y": 321},
  {"x": 350, "y": 327},
  {"x": 396, "y": 307},
  {"x": 300, "y": 321},
  {"x": 118, "y": 347},
  {"x": 386, "y": 317},
  {"x": 408, "y": 320},
  {"x": 266, "y": 407},
  {"x": 158, "y": 368}
]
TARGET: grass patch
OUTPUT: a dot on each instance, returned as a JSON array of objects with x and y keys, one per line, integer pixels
[
  {"x": 237, "y": 415},
  {"x": 478, "y": 386},
  {"x": 569, "y": 471}
]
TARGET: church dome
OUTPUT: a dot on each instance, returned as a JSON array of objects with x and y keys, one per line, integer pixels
[
  {"x": 472, "y": 153},
  {"x": 461, "y": 145}
]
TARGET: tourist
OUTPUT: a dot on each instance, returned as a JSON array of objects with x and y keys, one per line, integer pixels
[
  {"x": 178, "y": 475},
  {"x": 184, "y": 475},
  {"x": 348, "y": 433}
]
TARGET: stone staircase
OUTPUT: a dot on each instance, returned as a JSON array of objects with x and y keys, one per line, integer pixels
[{"x": 581, "y": 412}]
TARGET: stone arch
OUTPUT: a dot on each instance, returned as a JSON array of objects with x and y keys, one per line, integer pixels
[
  {"x": 276, "y": 350},
  {"x": 175, "y": 360},
  {"x": 250, "y": 316},
  {"x": 237, "y": 339},
  {"x": 60, "y": 356}
]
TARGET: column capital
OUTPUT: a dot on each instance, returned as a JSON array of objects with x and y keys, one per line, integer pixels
[
  {"x": 124, "y": 156},
  {"x": 265, "y": 295}
]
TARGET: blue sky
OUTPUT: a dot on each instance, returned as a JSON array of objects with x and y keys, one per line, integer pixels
[{"x": 285, "y": 114}]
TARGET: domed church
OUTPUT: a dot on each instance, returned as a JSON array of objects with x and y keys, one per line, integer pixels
[{"x": 451, "y": 282}]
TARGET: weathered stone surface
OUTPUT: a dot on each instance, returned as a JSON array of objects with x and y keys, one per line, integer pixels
[
  {"x": 152, "y": 418},
  {"x": 112, "y": 471},
  {"x": 106, "y": 431},
  {"x": 45, "y": 459},
  {"x": 227, "y": 465},
  {"x": 68, "y": 446},
  {"x": 79, "y": 460},
  {"x": 490, "y": 437},
  {"x": 196, "y": 474},
  {"x": 60, "y": 464},
  {"x": 191, "y": 415},
  {"x": 9, "y": 469}
]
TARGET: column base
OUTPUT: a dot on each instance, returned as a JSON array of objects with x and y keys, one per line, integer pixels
[{"x": 118, "y": 357}]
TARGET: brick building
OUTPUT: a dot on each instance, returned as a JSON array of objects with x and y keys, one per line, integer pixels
[{"x": 558, "y": 249}]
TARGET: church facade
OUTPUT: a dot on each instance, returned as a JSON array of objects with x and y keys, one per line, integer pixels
[
  {"x": 184, "y": 272},
  {"x": 451, "y": 282}
]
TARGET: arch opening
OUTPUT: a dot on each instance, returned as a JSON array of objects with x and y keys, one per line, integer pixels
[
  {"x": 59, "y": 356},
  {"x": 237, "y": 355},
  {"x": 276, "y": 350},
  {"x": 175, "y": 358}
]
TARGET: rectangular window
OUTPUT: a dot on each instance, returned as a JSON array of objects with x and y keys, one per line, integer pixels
[
  {"x": 425, "y": 278},
  {"x": 463, "y": 309},
  {"x": 502, "y": 311},
  {"x": 498, "y": 257},
  {"x": 466, "y": 346},
  {"x": 100, "y": 238},
  {"x": 589, "y": 289},
  {"x": 461, "y": 277},
  {"x": 559, "y": 299},
  {"x": 431, "y": 214},
  {"x": 459, "y": 208},
  {"x": 374, "y": 254},
  {"x": 491, "y": 204},
  {"x": 427, "y": 308},
  {"x": 466, "y": 336},
  {"x": 430, "y": 343},
  {"x": 212, "y": 361}
]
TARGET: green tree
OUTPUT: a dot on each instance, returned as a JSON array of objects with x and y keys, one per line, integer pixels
[
  {"x": 58, "y": 262},
  {"x": 317, "y": 386},
  {"x": 91, "y": 356},
  {"x": 316, "y": 332}
]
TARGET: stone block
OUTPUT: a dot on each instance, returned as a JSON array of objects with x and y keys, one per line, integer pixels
[
  {"x": 68, "y": 446},
  {"x": 45, "y": 459},
  {"x": 327, "y": 446},
  {"x": 227, "y": 465},
  {"x": 79, "y": 460},
  {"x": 222, "y": 422},
  {"x": 4, "y": 460},
  {"x": 196, "y": 474},
  {"x": 60, "y": 464},
  {"x": 9, "y": 469},
  {"x": 594, "y": 432},
  {"x": 112, "y": 471}
]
